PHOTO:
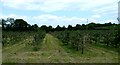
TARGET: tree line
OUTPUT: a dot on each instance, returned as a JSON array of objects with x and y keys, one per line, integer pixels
[{"x": 12, "y": 24}]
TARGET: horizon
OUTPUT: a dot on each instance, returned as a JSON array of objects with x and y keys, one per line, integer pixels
[
  {"x": 59, "y": 12},
  {"x": 9, "y": 22}
]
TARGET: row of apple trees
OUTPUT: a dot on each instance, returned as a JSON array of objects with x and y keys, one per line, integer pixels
[
  {"x": 37, "y": 40},
  {"x": 81, "y": 39}
]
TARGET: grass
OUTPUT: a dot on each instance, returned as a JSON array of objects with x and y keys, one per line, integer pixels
[
  {"x": 93, "y": 54},
  {"x": 51, "y": 51},
  {"x": 105, "y": 47}
]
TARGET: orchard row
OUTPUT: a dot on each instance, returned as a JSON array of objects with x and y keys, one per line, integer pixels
[
  {"x": 32, "y": 39},
  {"x": 80, "y": 39}
]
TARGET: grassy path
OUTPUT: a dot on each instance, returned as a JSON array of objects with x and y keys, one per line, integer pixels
[{"x": 52, "y": 52}]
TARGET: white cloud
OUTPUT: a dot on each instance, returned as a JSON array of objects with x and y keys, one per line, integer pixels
[
  {"x": 16, "y": 16},
  {"x": 48, "y": 19},
  {"x": 57, "y": 5},
  {"x": 113, "y": 21},
  {"x": 100, "y": 7},
  {"x": 107, "y": 10},
  {"x": 26, "y": 18},
  {"x": 96, "y": 16},
  {"x": 54, "y": 20}
]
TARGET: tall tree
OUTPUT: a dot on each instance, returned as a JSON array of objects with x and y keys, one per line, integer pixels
[
  {"x": 49, "y": 28},
  {"x": 11, "y": 21},
  {"x": 63, "y": 28},
  {"x": 70, "y": 27},
  {"x": 77, "y": 27},
  {"x": 35, "y": 27},
  {"x": 58, "y": 28},
  {"x": 20, "y": 24},
  {"x": 43, "y": 27},
  {"x": 3, "y": 23},
  {"x": 91, "y": 25}
]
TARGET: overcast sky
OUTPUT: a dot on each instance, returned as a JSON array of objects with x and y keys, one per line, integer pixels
[{"x": 60, "y": 12}]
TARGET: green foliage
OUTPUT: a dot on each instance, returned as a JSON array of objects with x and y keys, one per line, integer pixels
[
  {"x": 75, "y": 39},
  {"x": 35, "y": 48},
  {"x": 38, "y": 38},
  {"x": 10, "y": 38},
  {"x": 81, "y": 39},
  {"x": 20, "y": 23}
]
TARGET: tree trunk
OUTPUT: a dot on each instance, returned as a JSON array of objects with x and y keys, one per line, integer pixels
[
  {"x": 82, "y": 50},
  {"x": 77, "y": 48},
  {"x": 83, "y": 45},
  {"x": 107, "y": 44}
]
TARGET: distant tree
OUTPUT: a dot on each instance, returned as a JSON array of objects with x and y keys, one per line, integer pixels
[
  {"x": 34, "y": 27},
  {"x": 11, "y": 21},
  {"x": 108, "y": 24},
  {"x": 70, "y": 27},
  {"x": 20, "y": 24},
  {"x": 83, "y": 27},
  {"x": 49, "y": 28},
  {"x": 83, "y": 24},
  {"x": 7, "y": 24},
  {"x": 91, "y": 25},
  {"x": 63, "y": 28},
  {"x": 43, "y": 27},
  {"x": 3, "y": 23},
  {"x": 58, "y": 28},
  {"x": 77, "y": 27}
]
